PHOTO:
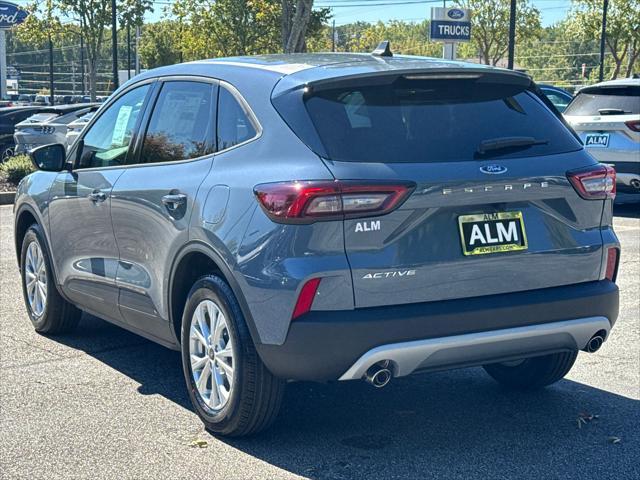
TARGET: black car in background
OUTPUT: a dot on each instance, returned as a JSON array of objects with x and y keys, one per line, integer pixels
[{"x": 8, "y": 118}]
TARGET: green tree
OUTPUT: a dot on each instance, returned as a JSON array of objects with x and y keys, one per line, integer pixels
[
  {"x": 623, "y": 30},
  {"x": 131, "y": 15},
  {"x": 295, "y": 22},
  {"x": 216, "y": 28},
  {"x": 159, "y": 44},
  {"x": 557, "y": 57},
  {"x": 405, "y": 37},
  {"x": 490, "y": 27},
  {"x": 94, "y": 16}
]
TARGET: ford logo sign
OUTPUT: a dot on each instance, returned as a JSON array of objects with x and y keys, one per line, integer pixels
[
  {"x": 493, "y": 169},
  {"x": 11, "y": 15},
  {"x": 455, "y": 13}
]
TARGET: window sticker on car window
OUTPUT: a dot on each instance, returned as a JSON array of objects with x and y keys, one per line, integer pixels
[{"x": 120, "y": 128}]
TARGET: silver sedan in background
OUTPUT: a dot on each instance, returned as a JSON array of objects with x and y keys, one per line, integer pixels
[
  {"x": 48, "y": 126},
  {"x": 74, "y": 128}
]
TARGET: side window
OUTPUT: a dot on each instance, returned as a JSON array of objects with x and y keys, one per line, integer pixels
[
  {"x": 107, "y": 141},
  {"x": 234, "y": 125},
  {"x": 181, "y": 125}
]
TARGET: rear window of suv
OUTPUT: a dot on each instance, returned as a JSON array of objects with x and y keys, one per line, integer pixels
[
  {"x": 623, "y": 100},
  {"x": 430, "y": 120}
]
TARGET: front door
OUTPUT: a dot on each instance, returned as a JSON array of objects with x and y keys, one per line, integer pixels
[
  {"x": 152, "y": 201},
  {"x": 82, "y": 239}
]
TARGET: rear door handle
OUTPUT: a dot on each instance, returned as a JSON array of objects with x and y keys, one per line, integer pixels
[
  {"x": 97, "y": 196},
  {"x": 174, "y": 201}
]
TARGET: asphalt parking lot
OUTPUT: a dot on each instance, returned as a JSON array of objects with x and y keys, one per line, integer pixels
[{"x": 104, "y": 403}]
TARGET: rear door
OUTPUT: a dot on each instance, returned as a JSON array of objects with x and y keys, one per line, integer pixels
[
  {"x": 151, "y": 202},
  {"x": 492, "y": 210}
]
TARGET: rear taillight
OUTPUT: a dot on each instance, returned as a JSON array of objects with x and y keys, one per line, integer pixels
[
  {"x": 612, "y": 264},
  {"x": 310, "y": 201},
  {"x": 633, "y": 125},
  {"x": 594, "y": 183},
  {"x": 305, "y": 299}
]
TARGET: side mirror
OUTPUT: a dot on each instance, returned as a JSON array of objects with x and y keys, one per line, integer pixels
[{"x": 49, "y": 158}]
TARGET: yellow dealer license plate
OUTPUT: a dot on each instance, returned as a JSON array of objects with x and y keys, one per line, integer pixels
[{"x": 492, "y": 233}]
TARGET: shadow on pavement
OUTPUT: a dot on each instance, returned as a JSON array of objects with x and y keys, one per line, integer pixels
[{"x": 457, "y": 424}]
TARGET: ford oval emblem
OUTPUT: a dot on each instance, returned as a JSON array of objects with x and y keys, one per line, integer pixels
[
  {"x": 493, "y": 169},
  {"x": 455, "y": 13}
]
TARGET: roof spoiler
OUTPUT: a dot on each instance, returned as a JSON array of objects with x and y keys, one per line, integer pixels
[{"x": 480, "y": 74}]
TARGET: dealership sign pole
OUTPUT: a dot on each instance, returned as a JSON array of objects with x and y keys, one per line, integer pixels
[
  {"x": 451, "y": 26},
  {"x": 11, "y": 15}
]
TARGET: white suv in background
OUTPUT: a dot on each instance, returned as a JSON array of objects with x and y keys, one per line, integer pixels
[{"x": 607, "y": 118}]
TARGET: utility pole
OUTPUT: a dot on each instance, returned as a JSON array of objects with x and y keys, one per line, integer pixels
[
  {"x": 333, "y": 36},
  {"x": 137, "y": 45},
  {"x": 3, "y": 64},
  {"x": 603, "y": 36},
  {"x": 51, "y": 93},
  {"x": 73, "y": 77},
  {"x": 82, "y": 58},
  {"x": 114, "y": 45},
  {"x": 128, "y": 51},
  {"x": 181, "y": 56},
  {"x": 512, "y": 35}
]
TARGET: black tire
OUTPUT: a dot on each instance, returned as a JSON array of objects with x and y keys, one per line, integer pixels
[
  {"x": 256, "y": 394},
  {"x": 58, "y": 316},
  {"x": 533, "y": 373}
]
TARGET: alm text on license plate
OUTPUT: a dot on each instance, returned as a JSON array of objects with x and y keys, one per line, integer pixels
[
  {"x": 597, "y": 140},
  {"x": 492, "y": 233}
]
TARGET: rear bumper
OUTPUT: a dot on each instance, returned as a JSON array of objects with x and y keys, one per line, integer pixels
[{"x": 336, "y": 345}]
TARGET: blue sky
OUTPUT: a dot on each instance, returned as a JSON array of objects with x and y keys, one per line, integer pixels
[
  {"x": 551, "y": 10},
  {"x": 371, "y": 10}
]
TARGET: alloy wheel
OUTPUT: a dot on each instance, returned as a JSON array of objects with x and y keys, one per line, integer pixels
[
  {"x": 211, "y": 353},
  {"x": 35, "y": 279}
]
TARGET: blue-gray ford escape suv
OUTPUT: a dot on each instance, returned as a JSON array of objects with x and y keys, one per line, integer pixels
[{"x": 325, "y": 217}]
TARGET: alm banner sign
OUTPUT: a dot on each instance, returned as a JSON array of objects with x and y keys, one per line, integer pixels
[
  {"x": 450, "y": 24},
  {"x": 11, "y": 15}
]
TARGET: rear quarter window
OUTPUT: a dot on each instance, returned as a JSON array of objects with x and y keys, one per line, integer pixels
[
  {"x": 606, "y": 100},
  {"x": 431, "y": 121}
]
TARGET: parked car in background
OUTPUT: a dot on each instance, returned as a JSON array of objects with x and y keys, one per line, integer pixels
[
  {"x": 607, "y": 118},
  {"x": 74, "y": 128},
  {"x": 47, "y": 126},
  {"x": 558, "y": 96},
  {"x": 9, "y": 117},
  {"x": 24, "y": 99},
  {"x": 42, "y": 100},
  {"x": 9, "y": 100}
]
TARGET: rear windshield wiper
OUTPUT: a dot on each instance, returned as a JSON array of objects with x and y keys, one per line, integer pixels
[
  {"x": 612, "y": 111},
  {"x": 502, "y": 143}
]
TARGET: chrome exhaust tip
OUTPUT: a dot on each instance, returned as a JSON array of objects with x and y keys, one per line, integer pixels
[
  {"x": 378, "y": 375},
  {"x": 594, "y": 344},
  {"x": 635, "y": 183}
]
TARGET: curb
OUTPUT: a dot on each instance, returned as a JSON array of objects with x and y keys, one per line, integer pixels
[{"x": 7, "y": 198}]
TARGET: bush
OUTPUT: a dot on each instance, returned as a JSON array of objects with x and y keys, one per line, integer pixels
[{"x": 16, "y": 168}]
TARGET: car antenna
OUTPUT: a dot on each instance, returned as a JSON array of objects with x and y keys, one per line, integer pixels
[{"x": 383, "y": 49}]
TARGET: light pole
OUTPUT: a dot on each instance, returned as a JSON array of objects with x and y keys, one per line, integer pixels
[
  {"x": 603, "y": 36},
  {"x": 114, "y": 45},
  {"x": 51, "y": 87},
  {"x": 82, "y": 57},
  {"x": 512, "y": 35},
  {"x": 128, "y": 50}
]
